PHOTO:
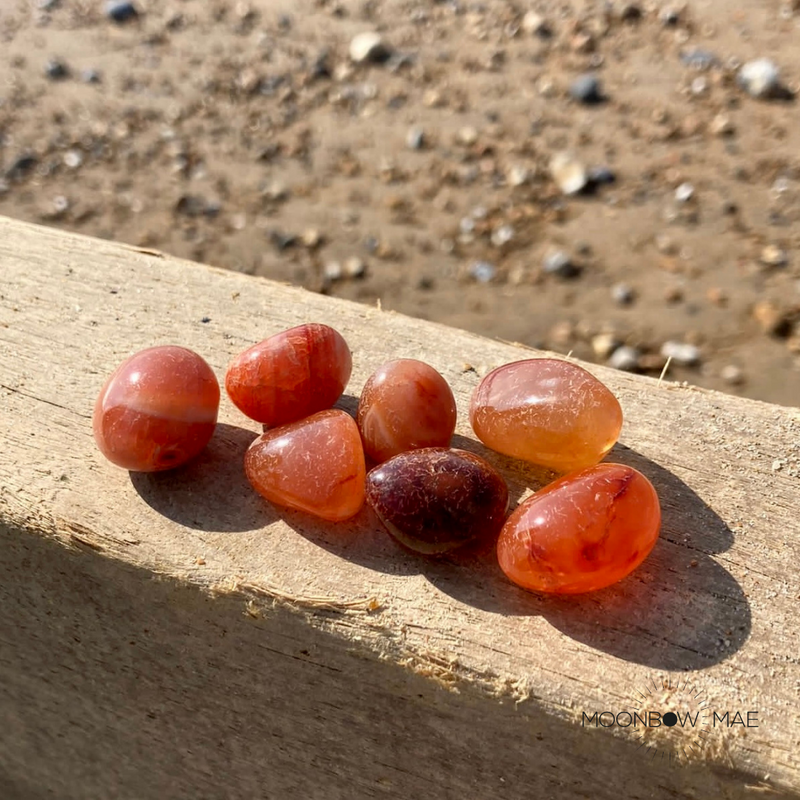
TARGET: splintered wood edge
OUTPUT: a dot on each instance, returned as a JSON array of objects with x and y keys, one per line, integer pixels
[{"x": 722, "y": 447}]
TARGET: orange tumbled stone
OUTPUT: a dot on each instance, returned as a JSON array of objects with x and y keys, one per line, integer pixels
[
  {"x": 290, "y": 375},
  {"x": 582, "y": 532},
  {"x": 547, "y": 411},
  {"x": 405, "y": 405},
  {"x": 157, "y": 410},
  {"x": 315, "y": 465}
]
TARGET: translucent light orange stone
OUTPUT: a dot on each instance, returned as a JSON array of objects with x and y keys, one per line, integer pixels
[
  {"x": 405, "y": 405},
  {"x": 157, "y": 410},
  {"x": 290, "y": 375},
  {"x": 582, "y": 532},
  {"x": 315, "y": 465},
  {"x": 547, "y": 411}
]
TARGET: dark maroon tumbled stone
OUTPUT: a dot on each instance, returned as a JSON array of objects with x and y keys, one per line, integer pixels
[{"x": 435, "y": 499}]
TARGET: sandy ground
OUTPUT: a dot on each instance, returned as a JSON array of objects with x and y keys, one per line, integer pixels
[{"x": 243, "y": 134}]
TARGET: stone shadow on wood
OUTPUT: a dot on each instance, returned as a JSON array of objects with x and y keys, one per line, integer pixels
[
  {"x": 680, "y": 610},
  {"x": 211, "y": 492}
]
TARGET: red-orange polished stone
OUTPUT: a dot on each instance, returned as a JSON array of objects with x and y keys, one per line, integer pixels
[
  {"x": 157, "y": 410},
  {"x": 582, "y": 532},
  {"x": 314, "y": 465},
  {"x": 290, "y": 375},
  {"x": 405, "y": 405},
  {"x": 547, "y": 411}
]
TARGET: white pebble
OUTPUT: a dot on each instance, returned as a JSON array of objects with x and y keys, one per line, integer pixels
[
  {"x": 760, "y": 78},
  {"x": 685, "y": 355}
]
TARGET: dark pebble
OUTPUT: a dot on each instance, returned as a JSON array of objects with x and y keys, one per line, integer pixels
[
  {"x": 56, "y": 70},
  {"x": 587, "y": 89},
  {"x": 282, "y": 241},
  {"x": 321, "y": 67},
  {"x": 191, "y": 205},
  {"x": 121, "y": 11},
  {"x": 434, "y": 500},
  {"x": 561, "y": 265},
  {"x": 601, "y": 176},
  {"x": 21, "y": 167}
]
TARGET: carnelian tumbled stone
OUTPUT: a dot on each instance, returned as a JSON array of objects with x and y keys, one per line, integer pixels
[
  {"x": 435, "y": 500},
  {"x": 157, "y": 410},
  {"x": 582, "y": 532},
  {"x": 315, "y": 465},
  {"x": 405, "y": 405},
  {"x": 290, "y": 375},
  {"x": 548, "y": 411}
]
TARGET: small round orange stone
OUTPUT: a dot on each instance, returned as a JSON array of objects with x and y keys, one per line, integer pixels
[
  {"x": 582, "y": 532},
  {"x": 157, "y": 410},
  {"x": 290, "y": 375},
  {"x": 405, "y": 405},
  {"x": 314, "y": 465},
  {"x": 547, "y": 411}
]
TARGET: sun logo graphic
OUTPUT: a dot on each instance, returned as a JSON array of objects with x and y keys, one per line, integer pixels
[{"x": 677, "y": 716}]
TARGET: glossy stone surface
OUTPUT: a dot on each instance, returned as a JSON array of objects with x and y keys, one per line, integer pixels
[
  {"x": 547, "y": 411},
  {"x": 582, "y": 532},
  {"x": 157, "y": 410},
  {"x": 435, "y": 500},
  {"x": 290, "y": 375},
  {"x": 405, "y": 405},
  {"x": 314, "y": 465}
]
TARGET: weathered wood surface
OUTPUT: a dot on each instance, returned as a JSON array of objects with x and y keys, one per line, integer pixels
[{"x": 173, "y": 635}]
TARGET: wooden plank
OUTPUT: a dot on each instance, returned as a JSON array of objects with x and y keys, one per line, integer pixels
[{"x": 262, "y": 640}]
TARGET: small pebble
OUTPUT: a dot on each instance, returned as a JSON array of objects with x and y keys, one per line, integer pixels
[
  {"x": 625, "y": 358},
  {"x": 90, "y": 76},
  {"x": 569, "y": 173},
  {"x": 622, "y": 294},
  {"x": 121, "y": 11},
  {"x": 536, "y": 25},
  {"x": 311, "y": 238},
  {"x": 685, "y": 355},
  {"x": 56, "y": 70},
  {"x": 518, "y": 176},
  {"x": 721, "y": 125},
  {"x": 761, "y": 79},
  {"x": 354, "y": 267},
  {"x": 60, "y": 204},
  {"x": 774, "y": 256},
  {"x": 502, "y": 235},
  {"x": 73, "y": 159},
  {"x": 669, "y": 17},
  {"x": 21, "y": 166},
  {"x": 604, "y": 344},
  {"x": 732, "y": 374},
  {"x": 773, "y": 320},
  {"x": 587, "y": 89},
  {"x": 560, "y": 264},
  {"x": 483, "y": 271},
  {"x": 332, "y": 271},
  {"x": 699, "y": 58},
  {"x": 684, "y": 193},
  {"x": 415, "y": 138},
  {"x": 369, "y": 48},
  {"x": 601, "y": 176},
  {"x": 467, "y": 136}
]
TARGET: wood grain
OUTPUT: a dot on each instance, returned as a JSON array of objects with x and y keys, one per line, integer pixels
[{"x": 284, "y": 657}]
